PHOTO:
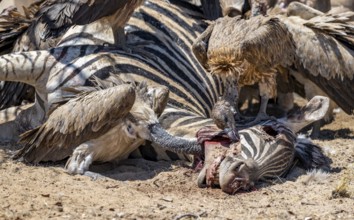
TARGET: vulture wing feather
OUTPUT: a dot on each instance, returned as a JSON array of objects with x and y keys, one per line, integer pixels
[
  {"x": 85, "y": 117},
  {"x": 61, "y": 14},
  {"x": 325, "y": 54}
]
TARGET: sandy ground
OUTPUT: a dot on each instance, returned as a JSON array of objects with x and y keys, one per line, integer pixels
[{"x": 139, "y": 189}]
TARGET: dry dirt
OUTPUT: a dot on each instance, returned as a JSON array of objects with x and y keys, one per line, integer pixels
[{"x": 139, "y": 189}]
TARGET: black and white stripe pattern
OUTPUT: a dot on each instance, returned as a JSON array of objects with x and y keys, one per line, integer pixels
[
  {"x": 160, "y": 35},
  {"x": 271, "y": 145}
]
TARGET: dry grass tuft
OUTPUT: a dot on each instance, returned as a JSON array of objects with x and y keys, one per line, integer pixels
[
  {"x": 315, "y": 176},
  {"x": 342, "y": 189}
]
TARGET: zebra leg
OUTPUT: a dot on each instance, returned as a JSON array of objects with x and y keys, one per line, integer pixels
[
  {"x": 201, "y": 180},
  {"x": 316, "y": 128},
  {"x": 211, "y": 9},
  {"x": 26, "y": 67},
  {"x": 313, "y": 111},
  {"x": 14, "y": 93}
]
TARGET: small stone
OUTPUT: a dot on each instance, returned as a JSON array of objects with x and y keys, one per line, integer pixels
[
  {"x": 167, "y": 199},
  {"x": 120, "y": 215}
]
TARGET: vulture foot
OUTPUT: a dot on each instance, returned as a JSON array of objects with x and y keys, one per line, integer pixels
[
  {"x": 80, "y": 160},
  {"x": 94, "y": 176}
]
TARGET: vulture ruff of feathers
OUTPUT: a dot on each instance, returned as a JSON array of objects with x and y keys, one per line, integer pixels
[{"x": 240, "y": 37}]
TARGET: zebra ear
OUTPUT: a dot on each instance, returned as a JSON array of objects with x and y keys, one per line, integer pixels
[
  {"x": 159, "y": 99},
  {"x": 316, "y": 108}
]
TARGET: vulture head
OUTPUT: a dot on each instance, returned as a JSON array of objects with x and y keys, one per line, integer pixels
[{"x": 149, "y": 104}]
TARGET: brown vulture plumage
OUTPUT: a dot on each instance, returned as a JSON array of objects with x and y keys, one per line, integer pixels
[
  {"x": 321, "y": 48},
  {"x": 88, "y": 116}
]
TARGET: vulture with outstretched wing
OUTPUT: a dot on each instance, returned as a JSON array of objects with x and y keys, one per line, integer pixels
[{"x": 322, "y": 48}]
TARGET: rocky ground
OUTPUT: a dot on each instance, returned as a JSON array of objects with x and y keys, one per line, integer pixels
[{"x": 139, "y": 189}]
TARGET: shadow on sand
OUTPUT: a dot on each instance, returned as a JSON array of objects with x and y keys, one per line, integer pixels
[{"x": 344, "y": 133}]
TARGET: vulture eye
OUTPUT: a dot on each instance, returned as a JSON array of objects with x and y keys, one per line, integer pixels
[{"x": 130, "y": 131}]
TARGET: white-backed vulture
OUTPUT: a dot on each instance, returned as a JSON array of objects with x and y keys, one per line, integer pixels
[
  {"x": 88, "y": 116},
  {"x": 242, "y": 72},
  {"x": 102, "y": 125},
  {"x": 321, "y": 48},
  {"x": 310, "y": 89}
]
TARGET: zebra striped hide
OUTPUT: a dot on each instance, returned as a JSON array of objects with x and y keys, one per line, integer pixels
[{"x": 266, "y": 151}]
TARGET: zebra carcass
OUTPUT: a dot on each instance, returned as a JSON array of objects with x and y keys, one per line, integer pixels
[
  {"x": 162, "y": 35},
  {"x": 50, "y": 71},
  {"x": 265, "y": 151}
]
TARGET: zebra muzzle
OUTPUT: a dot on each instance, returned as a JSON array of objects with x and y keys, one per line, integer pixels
[{"x": 233, "y": 175}]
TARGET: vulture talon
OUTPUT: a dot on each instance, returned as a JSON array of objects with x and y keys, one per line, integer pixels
[{"x": 94, "y": 176}]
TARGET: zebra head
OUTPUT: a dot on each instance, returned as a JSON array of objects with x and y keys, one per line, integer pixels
[
  {"x": 264, "y": 151},
  {"x": 237, "y": 173}
]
